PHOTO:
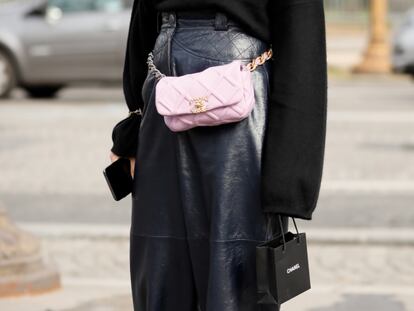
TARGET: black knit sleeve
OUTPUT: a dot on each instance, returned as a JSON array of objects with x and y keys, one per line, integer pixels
[
  {"x": 141, "y": 38},
  {"x": 295, "y": 137}
]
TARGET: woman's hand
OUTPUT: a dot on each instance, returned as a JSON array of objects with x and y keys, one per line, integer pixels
[{"x": 115, "y": 157}]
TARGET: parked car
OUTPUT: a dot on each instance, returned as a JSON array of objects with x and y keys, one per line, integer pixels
[
  {"x": 403, "y": 45},
  {"x": 48, "y": 44}
]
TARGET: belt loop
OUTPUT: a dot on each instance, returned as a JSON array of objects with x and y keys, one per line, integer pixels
[
  {"x": 220, "y": 22},
  {"x": 169, "y": 18},
  {"x": 172, "y": 19},
  {"x": 172, "y": 25}
]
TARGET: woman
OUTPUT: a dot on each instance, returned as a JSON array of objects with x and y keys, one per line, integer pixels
[{"x": 205, "y": 197}]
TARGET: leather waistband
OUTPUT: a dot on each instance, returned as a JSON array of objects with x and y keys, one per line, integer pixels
[
  {"x": 219, "y": 20},
  {"x": 205, "y": 14}
]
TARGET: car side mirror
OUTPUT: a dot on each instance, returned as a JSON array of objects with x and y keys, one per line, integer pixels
[
  {"x": 53, "y": 14},
  {"x": 39, "y": 11}
]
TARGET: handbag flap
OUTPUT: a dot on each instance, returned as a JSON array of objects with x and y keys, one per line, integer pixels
[{"x": 216, "y": 86}]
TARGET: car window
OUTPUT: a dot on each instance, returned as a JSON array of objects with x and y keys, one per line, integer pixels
[
  {"x": 71, "y": 6},
  {"x": 108, "y": 5},
  {"x": 128, "y": 3}
]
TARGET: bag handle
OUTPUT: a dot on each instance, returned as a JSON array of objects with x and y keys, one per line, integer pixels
[
  {"x": 282, "y": 231},
  {"x": 260, "y": 60}
]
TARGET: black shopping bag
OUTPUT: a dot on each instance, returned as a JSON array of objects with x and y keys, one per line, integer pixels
[{"x": 282, "y": 267}]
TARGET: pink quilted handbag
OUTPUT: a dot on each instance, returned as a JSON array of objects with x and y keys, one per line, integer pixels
[{"x": 217, "y": 95}]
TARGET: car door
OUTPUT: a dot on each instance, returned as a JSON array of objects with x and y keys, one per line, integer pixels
[
  {"x": 76, "y": 40},
  {"x": 115, "y": 24}
]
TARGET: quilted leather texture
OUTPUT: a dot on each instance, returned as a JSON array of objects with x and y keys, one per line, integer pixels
[
  {"x": 219, "y": 45},
  {"x": 216, "y": 95}
]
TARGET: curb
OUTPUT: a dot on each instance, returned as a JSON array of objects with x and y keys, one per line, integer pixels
[{"x": 76, "y": 231}]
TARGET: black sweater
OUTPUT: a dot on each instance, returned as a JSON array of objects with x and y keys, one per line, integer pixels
[{"x": 293, "y": 151}]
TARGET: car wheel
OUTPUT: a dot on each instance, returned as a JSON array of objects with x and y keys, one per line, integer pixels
[
  {"x": 42, "y": 91},
  {"x": 7, "y": 75}
]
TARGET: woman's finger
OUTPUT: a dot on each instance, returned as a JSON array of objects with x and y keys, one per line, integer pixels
[
  {"x": 113, "y": 156},
  {"x": 132, "y": 166}
]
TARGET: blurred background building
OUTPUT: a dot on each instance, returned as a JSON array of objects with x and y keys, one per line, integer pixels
[{"x": 56, "y": 120}]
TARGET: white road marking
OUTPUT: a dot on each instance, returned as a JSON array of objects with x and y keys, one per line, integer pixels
[
  {"x": 371, "y": 116},
  {"x": 375, "y": 185},
  {"x": 99, "y": 282}
]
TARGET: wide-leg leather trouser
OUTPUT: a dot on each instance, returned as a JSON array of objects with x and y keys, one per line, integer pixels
[{"x": 196, "y": 211}]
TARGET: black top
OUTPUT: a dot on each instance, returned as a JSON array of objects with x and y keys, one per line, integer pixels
[{"x": 293, "y": 151}]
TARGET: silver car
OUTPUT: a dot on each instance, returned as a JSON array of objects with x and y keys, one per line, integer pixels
[
  {"x": 48, "y": 44},
  {"x": 403, "y": 45}
]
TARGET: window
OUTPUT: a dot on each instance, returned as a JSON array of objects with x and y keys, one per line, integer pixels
[
  {"x": 128, "y": 3},
  {"x": 108, "y": 5},
  {"x": 70, "y": 6}
]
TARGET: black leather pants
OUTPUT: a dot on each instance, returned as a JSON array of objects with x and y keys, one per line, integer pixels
[{"x": 196, "y": 216}]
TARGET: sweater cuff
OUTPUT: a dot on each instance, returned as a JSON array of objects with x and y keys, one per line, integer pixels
[
  {"x": 125, "y": 136},
  {"x": 289, "y": 212}
]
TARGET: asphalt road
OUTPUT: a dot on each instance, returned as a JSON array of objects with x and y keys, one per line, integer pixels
[{"x": 52, "y": 154}]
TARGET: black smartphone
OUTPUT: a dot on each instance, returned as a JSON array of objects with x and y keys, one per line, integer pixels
[{"x": 119, "y": 178}]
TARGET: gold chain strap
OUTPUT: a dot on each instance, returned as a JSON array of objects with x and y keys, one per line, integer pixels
[{"x": 260, "y": 60}]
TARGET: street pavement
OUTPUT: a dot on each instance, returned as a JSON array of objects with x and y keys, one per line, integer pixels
[
  {"x": 361, "y": 238},
  {"x": 52, "y": 155}
]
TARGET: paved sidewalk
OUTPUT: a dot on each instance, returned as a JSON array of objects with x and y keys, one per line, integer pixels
[
  {"x": 368, "y": 173},
  {"x": 350, "y": 270}
]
